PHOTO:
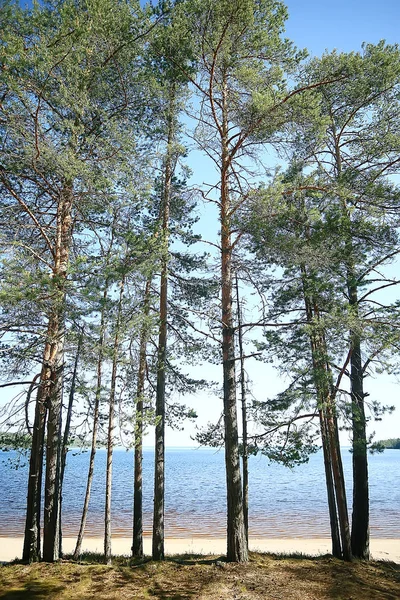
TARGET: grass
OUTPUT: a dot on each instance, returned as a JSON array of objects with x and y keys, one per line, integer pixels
[{"x": 194, "y": 577}]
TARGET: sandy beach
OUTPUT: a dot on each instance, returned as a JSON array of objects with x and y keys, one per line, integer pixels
[{"x": 381, "y": 549}]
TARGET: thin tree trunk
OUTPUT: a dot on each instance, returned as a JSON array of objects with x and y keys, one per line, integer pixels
[
  {"x": 245, "y": 457},
  {"x": 237, "y": 550},
  {"x": 330, "y": 489},
  {"x": 339, "y": 485},
  {"x": 137, "y": 540},
  {"x": 159, "y": 468},
  {"x": 110, "y": 439},
  {"x": 64, "y": 450},
  {"x": 332, "y": 506},
  {"x": 95, "y": 426}
]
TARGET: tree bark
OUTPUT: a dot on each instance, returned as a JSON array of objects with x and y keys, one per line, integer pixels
[
  {"x": 245, "y": 457},
  {"x": 330, "y": 489},
  {"x": 67, "y": 428},
  {"x": 137, "y": 540},
  {"x": 54, "y": 400},
  {"x": 110, "y": 439},
  {"x": 329, "y": 434},
  {"x": 31, "y": 549},
  {"x": 237, "y": 550},
  {"x": 78, "y": 547},
  {"x": 360, "y": 516},
  {"x": 159, "y": 468}
]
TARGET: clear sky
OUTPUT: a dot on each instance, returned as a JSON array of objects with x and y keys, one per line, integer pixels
[{"x": 317, "y": 25}]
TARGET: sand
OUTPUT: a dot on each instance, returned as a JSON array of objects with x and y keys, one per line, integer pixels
[{"x": 381, "y": 549}]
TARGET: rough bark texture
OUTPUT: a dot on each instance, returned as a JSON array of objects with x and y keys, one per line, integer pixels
[
  {"x": 360, "y": 516},
  {"x": 326, "y": 405},
  {"x": 31, "y": 549},
  {"x": 110, "y": 438},
  {"x": 56, "y": 366},
  {"x": 245, "y": 457},
  {"x": 137, "y": 540},
  {"x": 159, "y": 470},
  {"x": 237, "y": 550},
  {"x": 330, "y": 489}
]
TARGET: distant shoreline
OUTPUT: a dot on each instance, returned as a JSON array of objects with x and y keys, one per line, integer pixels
[{"x": 381, "y": 549}]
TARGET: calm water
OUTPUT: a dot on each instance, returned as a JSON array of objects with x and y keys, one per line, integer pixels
[{"x": 283, "y": 502}]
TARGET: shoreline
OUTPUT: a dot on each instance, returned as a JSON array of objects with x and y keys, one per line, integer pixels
[{"x": 381, "y": 549}]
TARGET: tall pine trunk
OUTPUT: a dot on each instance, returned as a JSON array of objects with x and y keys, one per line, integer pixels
[
  {"x": 110, "y": 437},
  {"x": 360, "y": 515},
  {"x": 237, "y": 549},
  {"x": 137, "y": 540},
  {"x": 53, "y": 447},
  {"x": 159, "y": 469}
]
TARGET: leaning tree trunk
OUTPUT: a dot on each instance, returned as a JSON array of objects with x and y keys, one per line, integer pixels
[
  {"x": 67, "y": 428},
  {"x": 110, "y": 438},
  {"x": 237, "y": 550},
  {"x": 159, "y": 467},
  {"x": 137, "y": 540},
  {"x": 95, "y": 427},
  {"x": 333, "y": 516},
  {"x": 54, "y": 400},
  {"x": 245, "y": 456}
]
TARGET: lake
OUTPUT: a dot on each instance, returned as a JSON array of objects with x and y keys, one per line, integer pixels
[{"x": 283, "y": 502}]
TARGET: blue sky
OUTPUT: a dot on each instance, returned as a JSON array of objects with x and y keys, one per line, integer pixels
[{"x": 342, "y": 24}]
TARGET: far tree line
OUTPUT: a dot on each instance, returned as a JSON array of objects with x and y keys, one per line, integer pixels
[{"x": 108, "y": 295}]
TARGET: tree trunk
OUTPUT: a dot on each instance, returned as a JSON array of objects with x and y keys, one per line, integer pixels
[
  {"x": 31, "y": 550},
  {"x": 237, "y": 550},
  {"x": 78, "y": 547},
  {"x": 137, "y": 540},
  {"x": 326, "y": 407},
  {"x": 110, "y": 439},
  {"x": 53, "y": 456},
  {"x": 64, "y": 450},
  {"x": 339, "y": 485},
  {"x": 159, "y": 468},
  {"x": 360, "y": 516},
  {"x": 330, "y": 489},
  {"x": 56, "y": 361},
  {"x": 245, "y": 457}
]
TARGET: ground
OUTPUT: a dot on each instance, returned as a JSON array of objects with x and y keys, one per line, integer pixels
[{"x": 265, "y": 577}]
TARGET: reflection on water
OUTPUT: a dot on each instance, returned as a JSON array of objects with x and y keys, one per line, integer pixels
[{"x": 283, "y": 502}]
